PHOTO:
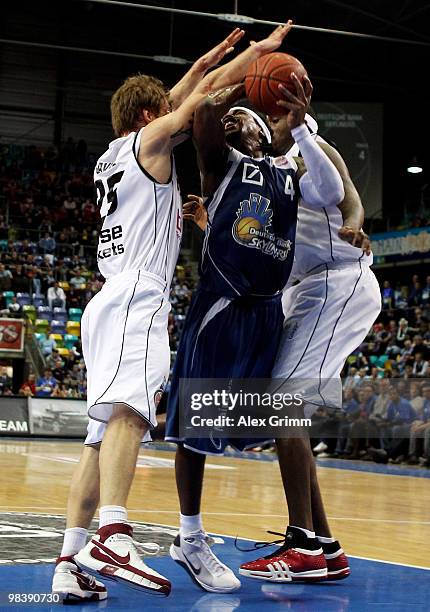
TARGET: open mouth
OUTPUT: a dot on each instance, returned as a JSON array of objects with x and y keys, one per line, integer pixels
[{"x": 230, "y": 124}]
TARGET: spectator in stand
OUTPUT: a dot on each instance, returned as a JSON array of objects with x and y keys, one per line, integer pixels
[
  {"x": 425, "y": 295},
  {"x": 46, "y": 384},
  {"x": 77, "y": 281},
  {"x": 415, "y": 295},
  {"x": 5, "y": 278},
  {"x": 56, "y": 296},
  {"x": 5, "y": 379},
  {"x": 47, "y": 345},
  {"x": 387, "y": 295},
  {"x": 402, "y": 330},
  {"x": 419, "y": 346},
  {"x": 28, "y": 388},
  {"x": 420, "y": 366},
  {"x": 14, "y": 308},
  {"x": 47, "y": 244}
]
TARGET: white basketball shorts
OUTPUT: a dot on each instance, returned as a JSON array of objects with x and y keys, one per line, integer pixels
[
  {"x": 125, "y": 345},
  {"x": 327, "y": 316}
]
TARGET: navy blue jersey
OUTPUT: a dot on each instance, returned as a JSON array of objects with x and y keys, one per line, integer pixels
[{"x": 249, "y": 241}]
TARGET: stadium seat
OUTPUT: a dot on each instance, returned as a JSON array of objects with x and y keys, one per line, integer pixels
[
  {"x": 64, "y": 285},
  {"x": 8, "y": 295},
  {"x": 38, "y": 300},
  {"x": 44, "y": 312},
  {"x": 64, "y": 352},
  {"x": 23, "y": 298},
  {"x": 75, "y": 314},
  {"x": 60, "y": 314},
  {"x": 58, "y": 339},
  {"x": 42, "y": 326},
  {"x": 58, "y": 327},
  {"x": 39, "y": 337},
  {"x": 70, "y": 340},
  {"x": 74, "y": 328},
  {"x": 30, "y": 311}
]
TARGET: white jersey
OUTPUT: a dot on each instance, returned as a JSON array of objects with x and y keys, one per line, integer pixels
[
  {"x": 317, "y": 240},
  {"x": 142, "y": 220}
]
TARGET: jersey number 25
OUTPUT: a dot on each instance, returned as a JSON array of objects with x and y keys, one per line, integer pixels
[{"x": 107, "y": 197}]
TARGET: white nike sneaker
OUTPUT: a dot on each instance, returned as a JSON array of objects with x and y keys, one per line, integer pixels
[
  {"x": 195, "y": 555},
  {"x": 72, "y": 584},
  {"x": 112, "y": 553}
]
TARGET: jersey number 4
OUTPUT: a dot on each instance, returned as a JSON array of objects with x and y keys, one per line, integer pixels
[{"x": 107, "y": 197}]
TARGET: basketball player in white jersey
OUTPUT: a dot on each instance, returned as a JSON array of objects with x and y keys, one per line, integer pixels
[
  {"x": 124, "y": 327},
  {"x": 328, "y": 313}
]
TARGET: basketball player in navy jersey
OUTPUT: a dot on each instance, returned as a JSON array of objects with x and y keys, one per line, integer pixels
[
  {"x": 328, "y": 313},
  {"x": 124, "y": 327},
  {"x": 241, "y": 282}
]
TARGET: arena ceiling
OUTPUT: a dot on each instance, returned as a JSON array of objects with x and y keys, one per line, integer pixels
[{"x": 342, "y": 68}]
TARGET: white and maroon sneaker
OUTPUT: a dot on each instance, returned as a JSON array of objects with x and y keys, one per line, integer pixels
[
  {"x": 298, "y": 559},
  {"x": 337, "y": 561},
  {"x": 112, "y": 554},
  {"x": 72, "y": 584}
]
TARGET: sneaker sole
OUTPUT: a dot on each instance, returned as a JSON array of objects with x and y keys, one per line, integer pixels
[
  {"x": 310, "y": 576},
  {"x": 175, "y": 556},
  {"x": 119, "y": 576},
  {"x": 70, "y": 593},
  {"x": 338, "y": 574}
]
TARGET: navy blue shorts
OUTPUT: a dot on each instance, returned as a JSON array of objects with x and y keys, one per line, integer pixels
[{"x": 224, "y": 338}]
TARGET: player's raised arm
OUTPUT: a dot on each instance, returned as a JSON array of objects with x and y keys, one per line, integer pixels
[
  {"x": 195, "y": 74},
  {"x": 208, "y": 131}
]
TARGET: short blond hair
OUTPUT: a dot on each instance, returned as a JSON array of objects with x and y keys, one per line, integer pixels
[{"x": 138, "y": 92}]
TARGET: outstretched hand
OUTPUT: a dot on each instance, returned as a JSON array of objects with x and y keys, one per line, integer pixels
[
  {"x": 194, "y": 210},
  {"x": 215, "y": 55},
  {"x": 356, "y": 238},
  {"x": 298, "y": 104},
  {"x": 274, "y": 40}
]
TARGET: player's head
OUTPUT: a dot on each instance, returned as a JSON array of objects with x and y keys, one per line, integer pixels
[
  {"x": 246, "y": 129},
  {"x": 282, "y": 141},
  {"x": 139, "y": 100}
]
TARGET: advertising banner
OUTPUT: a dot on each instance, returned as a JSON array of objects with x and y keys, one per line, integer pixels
[
  {"x": 57, "y": 417},
  {"x": 402, "y": 245},
  {"x": 11, "y": 335},
  {"x": 13, "y": 416}
]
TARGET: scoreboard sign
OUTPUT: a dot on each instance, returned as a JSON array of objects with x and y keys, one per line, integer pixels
[{"x": 356, "y": 129}]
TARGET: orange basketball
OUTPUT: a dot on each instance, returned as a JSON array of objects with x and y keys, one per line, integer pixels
[
  {"x": 264, "y": 76},
  {"x": 243, "y": 228}
]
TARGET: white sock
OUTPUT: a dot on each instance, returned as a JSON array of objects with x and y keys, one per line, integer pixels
[
  {"x": 190, "y": 523},
  {"x": 112, "y": 514},
  {"x": 75, "y": 539},
  {"x": 310, "y": 534},
  {"x": 326, "y": 540}
]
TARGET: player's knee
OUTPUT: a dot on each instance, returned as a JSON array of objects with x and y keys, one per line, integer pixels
[{"x": 128, "y": 417}]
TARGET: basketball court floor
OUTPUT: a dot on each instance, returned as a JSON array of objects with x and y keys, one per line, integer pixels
[{"x": 381, "y": 514}]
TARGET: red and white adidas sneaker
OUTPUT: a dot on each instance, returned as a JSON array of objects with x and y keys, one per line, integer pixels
[
  {"x": 112, "y": 554},
  {"x": 299, "y": 559},
  {"x": 337, "y": 561},
  {"x": 72, "y": 584}
]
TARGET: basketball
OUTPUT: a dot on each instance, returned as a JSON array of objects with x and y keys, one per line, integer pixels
[
  {"x": 264, "y": 76},
  {"x": 244, "y": 226}
]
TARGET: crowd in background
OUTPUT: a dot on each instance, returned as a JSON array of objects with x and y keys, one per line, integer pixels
[{"x": 48, "y": 238}]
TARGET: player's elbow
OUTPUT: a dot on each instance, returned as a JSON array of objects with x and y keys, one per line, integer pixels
[{"x": 336, "y": 195}]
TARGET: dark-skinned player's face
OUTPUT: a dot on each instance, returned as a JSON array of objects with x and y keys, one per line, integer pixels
[
  {"x": 281, "y": 134},
  {"x": 242, "y": 131}
]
